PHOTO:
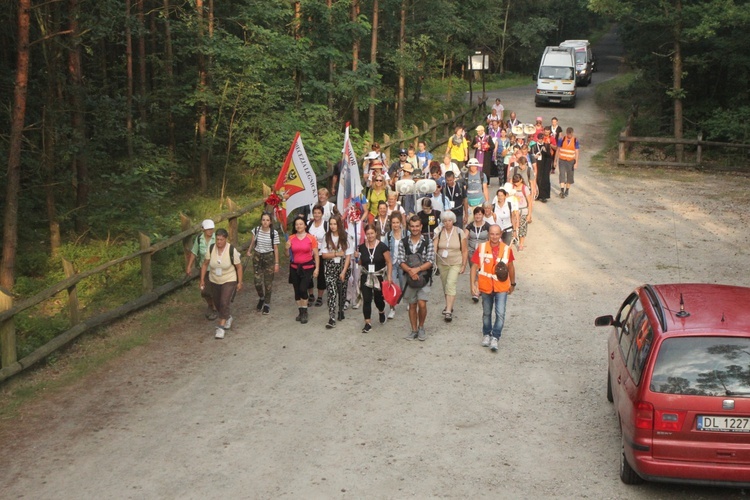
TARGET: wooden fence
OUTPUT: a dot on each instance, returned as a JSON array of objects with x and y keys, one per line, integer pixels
[
  {"x": 625, "y": 140},
  {"x": 11, "y": 365}
]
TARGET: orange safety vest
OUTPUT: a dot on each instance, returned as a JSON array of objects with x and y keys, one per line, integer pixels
[
  {"x": 567, "y": 151},
  {"x": 488, "y": 281}
]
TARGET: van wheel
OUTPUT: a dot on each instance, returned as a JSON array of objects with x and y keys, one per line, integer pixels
[
  {"x": 537, "y": 104},
  {"x": 610, "y": 398},
  {"x": 627, "y": 474}
]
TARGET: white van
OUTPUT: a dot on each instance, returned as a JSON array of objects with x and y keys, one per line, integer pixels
[
  {"x": 584, "y": 59},
  {"x": 556, "y": 82}
]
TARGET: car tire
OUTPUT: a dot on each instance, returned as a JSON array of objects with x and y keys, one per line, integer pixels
[
  {"x": 610, "y": 397},
  {"x": 627, "y": 474}
]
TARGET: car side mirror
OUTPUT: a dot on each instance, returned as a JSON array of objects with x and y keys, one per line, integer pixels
[{"x": 607, "y": 320}]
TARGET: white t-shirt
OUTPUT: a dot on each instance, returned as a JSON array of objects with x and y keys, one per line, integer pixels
[
  {"x": 499, "y": 108},
  {"x": 503, "y": 213},
  {"x": 335, "y": 240},
  {"x": 319, "y": 233}
]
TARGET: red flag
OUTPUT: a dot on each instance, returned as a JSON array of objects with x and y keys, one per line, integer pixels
[{"x": 296, "y": 183}]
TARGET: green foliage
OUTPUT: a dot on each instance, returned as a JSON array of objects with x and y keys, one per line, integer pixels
[{"x": 731, "y": 125}]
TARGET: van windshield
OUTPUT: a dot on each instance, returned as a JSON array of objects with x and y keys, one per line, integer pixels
[
  {"x": 703, "y": 366},
  {"x": 556, "y": 72}
]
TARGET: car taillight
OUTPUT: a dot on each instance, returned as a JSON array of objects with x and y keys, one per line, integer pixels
[
  {"x": 670, "y": 420},
  {"x": 644, "y": 415}
]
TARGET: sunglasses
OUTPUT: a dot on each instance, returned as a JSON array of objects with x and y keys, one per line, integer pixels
[{"x": 378, "y": 180}]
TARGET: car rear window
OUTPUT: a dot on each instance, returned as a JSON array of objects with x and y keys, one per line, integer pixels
[{"x": 703, "y": 366}]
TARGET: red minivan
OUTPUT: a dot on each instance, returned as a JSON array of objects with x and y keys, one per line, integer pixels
[{"x": 679, "y": 378}]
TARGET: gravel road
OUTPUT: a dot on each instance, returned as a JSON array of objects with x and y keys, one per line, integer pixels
[{"x": 278, "y": 411}]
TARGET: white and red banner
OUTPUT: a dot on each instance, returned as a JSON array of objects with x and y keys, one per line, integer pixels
[
  {"x": 350, "y": 185},
  {"x": 296, "y": 184}
]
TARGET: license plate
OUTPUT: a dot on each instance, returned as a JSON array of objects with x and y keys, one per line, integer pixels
[
  {"x": 554, "y": 100},
  {"x": 723, "y": 424}
]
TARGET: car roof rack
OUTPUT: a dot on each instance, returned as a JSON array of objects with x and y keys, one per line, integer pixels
[{"x": 658, "y": 307}]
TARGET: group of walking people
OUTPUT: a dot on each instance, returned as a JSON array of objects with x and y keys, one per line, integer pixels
[{"x": 403, "y": 243}]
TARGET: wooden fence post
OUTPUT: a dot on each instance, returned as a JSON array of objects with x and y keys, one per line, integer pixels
[
  {"x": 187, "y": 241},
  {"x": 8, "y": 355},
  {"x": 621, "y": 146},
  {"x": 415, "y": 129},
  {"x": 233, "y": 225},
  {"x": 147, "y": 277},
  {"x": 433, "y": 137},
  {"x": 699, "y": 150},
  {"x": 75, "y": 311}
]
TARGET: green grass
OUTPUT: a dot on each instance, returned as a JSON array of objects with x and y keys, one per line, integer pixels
[{"x": 94, "y": 350}]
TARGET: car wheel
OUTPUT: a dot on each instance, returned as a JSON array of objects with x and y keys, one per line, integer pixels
[
  {"x": 627, "y": 474},
  {"x": 610, "y": 398}
]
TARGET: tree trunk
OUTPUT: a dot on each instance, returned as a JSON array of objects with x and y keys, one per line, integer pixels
[
  {"x": 677, "y": 82},
  {"x": 401, "y": 72},
  {"x": 168, "y": 65},
  {"x": 202, "y": 106},
  {"x": 331, "y": 64},
  {"x": 77, "y": 103},
  {"x": 10, "y": 226},
  {"x": 373, "y": 61},
  {"x": 503, "y": 38},
  {"x": 141, "y": 61},
  {"x": 129, "y": 84},
  {"x": 355, "y": 62}
]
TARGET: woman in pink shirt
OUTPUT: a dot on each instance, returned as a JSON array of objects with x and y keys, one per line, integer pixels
[{"x": 304, "y": 263}]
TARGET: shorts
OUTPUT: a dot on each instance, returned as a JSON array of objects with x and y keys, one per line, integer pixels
[
  {"x": 566, "y": 171},
  {"x": 412, "y": 295},
  {"x": 301, "y": 279}
]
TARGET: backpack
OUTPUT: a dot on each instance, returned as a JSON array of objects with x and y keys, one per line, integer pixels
[
  {"x": 231, "y": 252},
  {"x": 416, "y": 260}
]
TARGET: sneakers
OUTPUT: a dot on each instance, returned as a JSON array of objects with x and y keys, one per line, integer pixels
[
  {"x": 219, "y": 332},
  {"x": 412, "y": 336},
  {"x": 357, "y": 304},
  {"x": 475, "y": 298},
  {"x": 331, "y": 324},
  {"x": 261, "y": 301},
  {"x": 486, "y": 341},
  {"x": 346, "y": 305},
  {"x": 381, "y": 317},
  {"x": 303, "y": 317},
  {"x": 367, "y": 328},
  {"x": 392, "y": 313},
  {"x": 266, "y": 309},
  {"x": 420, "y": 334},
  {"x": 341, "y": 315},
  {"x": 228, "y": 324},
  {"x": 562, "y": 192},
  {"x": 211, "y": 313},
  {"x": 493, "y": 344}
]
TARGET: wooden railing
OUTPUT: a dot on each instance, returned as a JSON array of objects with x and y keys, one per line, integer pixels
[
  {"x": 11, "y": 365},
  {"x": 625, "y": 140}
]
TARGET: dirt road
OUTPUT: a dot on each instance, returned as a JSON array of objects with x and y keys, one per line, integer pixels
[{"x": 278, "y": 411}]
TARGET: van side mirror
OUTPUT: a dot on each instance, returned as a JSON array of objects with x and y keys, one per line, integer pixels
[{"x": 607, "y": 320}]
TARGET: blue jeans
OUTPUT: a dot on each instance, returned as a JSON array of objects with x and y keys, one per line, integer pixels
[{"x": 497, "y": 300}]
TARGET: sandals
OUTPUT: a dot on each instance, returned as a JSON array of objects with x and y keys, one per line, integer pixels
[
  {"x": 319, "y": 302},
  {"x": 448, "y": 316}
]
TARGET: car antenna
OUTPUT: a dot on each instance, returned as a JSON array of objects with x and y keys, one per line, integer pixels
[{"x": 682, "y": 313}]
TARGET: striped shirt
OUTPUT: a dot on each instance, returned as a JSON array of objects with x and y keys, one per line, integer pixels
[{"x": 263, "y": 240}]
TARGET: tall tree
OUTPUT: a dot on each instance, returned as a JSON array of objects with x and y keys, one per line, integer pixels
[
  {"x": 10, "y": 227},
  {"x": 373, "y": 63},
  {"x": 129, "y": 82},
  {"x": 202, "y": 104}
]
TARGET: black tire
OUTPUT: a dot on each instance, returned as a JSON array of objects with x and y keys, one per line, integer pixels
[
  {"x": 610, "y": 398},
  {"x": 627, "y": 474}
]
